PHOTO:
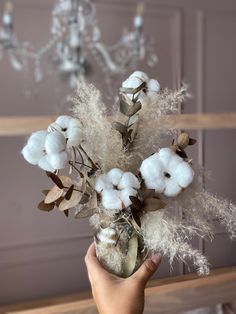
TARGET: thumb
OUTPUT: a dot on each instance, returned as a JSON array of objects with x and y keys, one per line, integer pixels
[{"x": 148, "y": 268}]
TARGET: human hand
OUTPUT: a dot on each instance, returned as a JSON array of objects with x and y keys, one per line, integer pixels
[{"x": 115, "y": 295}]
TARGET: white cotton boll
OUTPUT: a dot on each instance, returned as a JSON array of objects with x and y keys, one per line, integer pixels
[
  {"x": 132, "y": 82},
  {"x": 158, "y": 185},
  {"x": 115, "y": 175},
  {"x": 73, "y": 136},
  {"x": 141, "y": 75},
  {"x": 102, "y": 182},
  {"x": 172, "y": 188},
  {"x": 74, "y": 123},
  {"x": 111, "y": 199},
  {"x": 45, "y": 164},
  {"x": 31, "y": 155},
  {"x": 184, "y": 173},
  {"x": 129, "y": 180},
  {"x": 63, "y": 121},
  {"x": 59, "y": 160},
  {"x": 165, "y": 155},
  {"x": 151, "y": 168},
  {"x": 37, "y": 140},
  {"x": 153, "y": 86},
  {"x": 125, "y": 194},
  {"x": 55, "y": 143}
]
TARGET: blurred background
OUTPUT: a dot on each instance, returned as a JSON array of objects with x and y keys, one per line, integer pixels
[{"x": 42, "y": 254}]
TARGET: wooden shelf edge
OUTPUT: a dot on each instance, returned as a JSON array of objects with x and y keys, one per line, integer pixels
[
  {"x": 169, "y": 295},
  {"x": 19, "y": 126}
]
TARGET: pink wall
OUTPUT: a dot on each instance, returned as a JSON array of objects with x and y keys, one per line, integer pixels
[{"x": 41, "y": 254}]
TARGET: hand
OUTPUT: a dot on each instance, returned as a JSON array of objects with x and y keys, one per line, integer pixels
[{"x": 115, "y": 295}]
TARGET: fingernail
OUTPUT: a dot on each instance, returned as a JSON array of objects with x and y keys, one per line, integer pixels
[{"x": 156, "y": 259}]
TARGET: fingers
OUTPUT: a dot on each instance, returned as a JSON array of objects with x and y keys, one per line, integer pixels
[
  {"x": 148, "y": 268},
  {"x": 95, "y": 269}
]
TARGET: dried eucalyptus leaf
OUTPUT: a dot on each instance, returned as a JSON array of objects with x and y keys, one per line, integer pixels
[
  {"x": 133, "y": 119},
  {"x": 46, "y": 207},
  {"x": 119, "y": 127},
  {"x": 45, "y": 192},
  {"x": 85, "y": 198},
  {"x": 134, "y": 109},
  {"x": 84, "y": 211},
  {"x": 136, "y": 204},
  {"x": 128, "y": 108},
  {"x": 55, "y": 179},
  {"x": 152, "y": 204},
  {"x": 132, "y": 131},
  {"x": 192, "y": 141},
  {"x": 66, "y": 181},
  {"x": 146, "y": 193},
  {"x": 54, "y": 194},
  {"x": 181, "y": 153},
  {"x": 72, "y": 202},
  {"x": 69, "y": 192},
  {"x": 66, "y": 212},
  {"x": 93, "y": 203},
  {"x": 131, "y": 257},
  {"x": 58, "y": 202}
]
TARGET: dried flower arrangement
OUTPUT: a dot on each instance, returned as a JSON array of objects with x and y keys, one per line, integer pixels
[{"x": 132, "y": 190}]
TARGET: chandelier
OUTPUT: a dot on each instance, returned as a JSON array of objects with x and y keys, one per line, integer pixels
[{"x": 75, "y": 38}]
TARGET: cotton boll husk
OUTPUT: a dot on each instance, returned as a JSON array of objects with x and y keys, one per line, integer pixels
[
  {"x": 129, "y": 180},
  {"x": 125, "y": 194},
  {"x": 58, "y": 161},
  {"x": 141, "y": 75},
  {"x": 184, "y": 173},
  {"x": 115, "y": 175},
  {"x": 55, "y": 143},
  {"x": 103, "y": 182},
  {"x": 45, "y": 164},
  {"x": 31, "y": 155},
  {"x": 37, "y": 140},
  {"x": 111, "y": 199}
]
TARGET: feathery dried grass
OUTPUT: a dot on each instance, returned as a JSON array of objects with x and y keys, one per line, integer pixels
[{"x": 102, "y": 143}]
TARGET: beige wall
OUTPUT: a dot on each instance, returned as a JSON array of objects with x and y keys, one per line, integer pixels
[{"x": 41, "y": 254}]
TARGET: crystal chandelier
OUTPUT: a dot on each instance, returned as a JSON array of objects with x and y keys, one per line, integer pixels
[{"x": 75, "y": 37}]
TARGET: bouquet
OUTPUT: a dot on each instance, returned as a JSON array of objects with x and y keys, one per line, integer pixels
[{"x": 116, "y": 170}]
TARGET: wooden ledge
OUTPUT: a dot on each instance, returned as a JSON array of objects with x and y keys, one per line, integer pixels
[
  {"x": 170, "y": 295},
  {"x": 17, "y": 126}
]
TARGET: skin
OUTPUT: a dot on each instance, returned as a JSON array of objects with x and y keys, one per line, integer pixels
[{"x": 115, "y": 295}]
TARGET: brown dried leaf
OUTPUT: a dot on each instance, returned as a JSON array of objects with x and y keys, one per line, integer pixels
[
  {"x": 66, "y": 212},
  {"x": 132, "y": 131},
  {"x": 45, "y": 192},
  {"x": 46, "y": 207},
  {"x": 152, "y": 204},
  {"x": 93, "y": 203},
  {"x": 192, "y": 141},
  {"x": 72, "y": 202},
  {"x": 69, "y": 192},
  {"x": 119, "y": 127},
  {"x": 146, "y": 193},
  {"x": 133, "y": 119},
  {"x": 181, "y": 153},
  {"x": 58, "y": 202},
  {"x": 66, "y": 181},
  {"x": 54, "y": 194},
  {"x": 131, "y": 257},
  {"x": 128, "y": 108},
  {"x": 55, "y": 179},
  {"x": 136, "y": 204}
]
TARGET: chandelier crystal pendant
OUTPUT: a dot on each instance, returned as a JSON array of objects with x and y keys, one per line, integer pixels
[{"x": 75, "y": 37}]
